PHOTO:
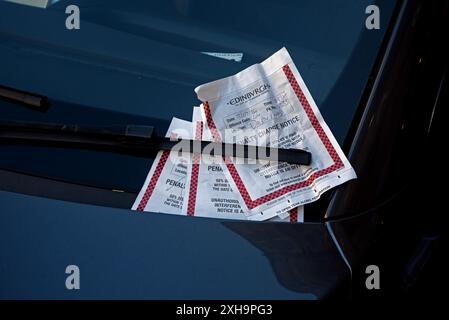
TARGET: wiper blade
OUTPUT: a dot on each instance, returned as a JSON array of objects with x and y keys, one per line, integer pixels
[
  {"x": 32, "y": 100},
  {"x": 134, "y": 139}
]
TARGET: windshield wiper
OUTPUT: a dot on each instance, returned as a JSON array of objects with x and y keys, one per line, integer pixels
[
  {"x": 134, "y": 139},
  {"x": 31, "y": 100}
]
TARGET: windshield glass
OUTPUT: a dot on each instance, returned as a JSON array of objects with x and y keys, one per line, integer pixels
[{"x": 139, "y": 61}]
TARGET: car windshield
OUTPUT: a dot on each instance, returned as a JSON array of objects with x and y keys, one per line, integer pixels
[{"x": 139, "y": 61}]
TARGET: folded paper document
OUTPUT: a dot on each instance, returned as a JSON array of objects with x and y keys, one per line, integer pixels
[{"x": 268, "y": 104}]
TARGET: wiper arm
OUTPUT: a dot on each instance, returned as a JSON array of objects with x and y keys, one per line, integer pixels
[
  {"x": 32, "y": 100},
  {"x": 133, "y": 139}
]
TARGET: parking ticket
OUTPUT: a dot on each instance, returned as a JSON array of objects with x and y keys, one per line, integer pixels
[
  {"x": 208, "y": 191},
  {"x": 164, "y": 187},
  {"x": 268, "y": 104}
]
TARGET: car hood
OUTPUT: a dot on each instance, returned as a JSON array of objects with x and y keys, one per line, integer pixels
[{"x": 124, "y": 254}]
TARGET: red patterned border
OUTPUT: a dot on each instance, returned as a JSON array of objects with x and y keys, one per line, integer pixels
[
  {"x": 294, "y": 215},
  {"x": 338, "y": 163},
  {"x": 195, "y": 172},
  {"x": 153, "y": 181}
]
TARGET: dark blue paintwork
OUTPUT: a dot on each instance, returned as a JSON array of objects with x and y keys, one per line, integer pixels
[{"x": 123, "y": 254}]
